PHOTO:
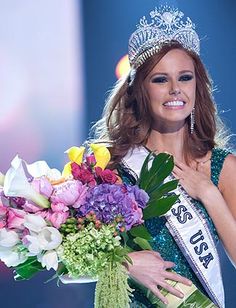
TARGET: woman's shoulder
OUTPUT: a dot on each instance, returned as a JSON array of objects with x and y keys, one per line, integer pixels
[
  {"x": 227, "y": 176},
  {"x": 229, "y": 166},
  {"x": 227, "y": 182}
]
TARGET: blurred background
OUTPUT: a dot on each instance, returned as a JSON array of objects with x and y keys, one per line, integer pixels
[{"x": 58, "y": 60}]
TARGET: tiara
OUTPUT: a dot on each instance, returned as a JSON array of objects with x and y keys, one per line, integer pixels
[{"x": 166, "y": 26}]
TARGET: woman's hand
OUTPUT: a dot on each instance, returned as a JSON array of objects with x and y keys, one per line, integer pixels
[
  {"x": 195, "y": 182},
  {"x": 150, "y": 270}
]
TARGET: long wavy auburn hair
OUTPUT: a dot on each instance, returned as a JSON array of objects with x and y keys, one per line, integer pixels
[{"x": 127, "y": 115}]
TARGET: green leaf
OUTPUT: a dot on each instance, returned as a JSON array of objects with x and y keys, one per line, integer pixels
[
  {"x": 62, "y": 270},
  {"x": 28, "y": 269},
  {"x": 125, "y": 237},
  {"x": 158, "y": 162},
  {"x": 159, "y": 207},
  {"x": 120, "y": 253},
  {"x": 144, "y": 174},
  {"x": 142, "y": 243},
  {"x": 159, "y": 191},
  {"x": 140, "y": 231},
  {"x": 161, "y": 168},
  {"x": 132, "y": 246}
]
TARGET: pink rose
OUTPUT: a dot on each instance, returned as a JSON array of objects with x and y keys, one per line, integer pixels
[
  {"x": 90, "y": 160},
  {"x": 15, "y": 219},
  {"x": 107, "y": 176},
  {"x": 83, "y": 174},
  {"x": 43, "y": 186},
  {"x": 75, "y": 170}
]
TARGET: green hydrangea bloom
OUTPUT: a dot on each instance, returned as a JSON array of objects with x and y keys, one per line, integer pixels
[{"x": 89, "y": 251}]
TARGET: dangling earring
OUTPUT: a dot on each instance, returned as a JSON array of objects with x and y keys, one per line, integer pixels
[{"x": 192, "y": 120}]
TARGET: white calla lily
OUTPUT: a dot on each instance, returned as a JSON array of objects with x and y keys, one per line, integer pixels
[
  {"x": 49, "y": 260},
  {"x": 16, "y": 184},
  {"x": 54, "y": 174},
  {"x": 15, "y": 163},
  {"x": 8, "y": 238},
  {"x": 41, "y": 168}
]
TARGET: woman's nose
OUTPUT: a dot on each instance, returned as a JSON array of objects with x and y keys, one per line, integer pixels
[{"x": 174, "y": 89}]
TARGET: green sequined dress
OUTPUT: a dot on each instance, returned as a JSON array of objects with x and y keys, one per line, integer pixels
[{"x": 163, "y": 242}]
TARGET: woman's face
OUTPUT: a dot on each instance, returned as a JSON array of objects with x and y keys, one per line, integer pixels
[{"x": 171, "y": 87}]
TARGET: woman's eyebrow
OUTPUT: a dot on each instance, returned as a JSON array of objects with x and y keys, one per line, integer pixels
[
  {"x": 158, "y": 73},
  {"x": 186, "y": 71},
  {"x": 166, "y": 74}
]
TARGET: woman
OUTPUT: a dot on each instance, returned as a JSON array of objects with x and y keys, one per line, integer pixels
[{"x": 165, "y": 105}]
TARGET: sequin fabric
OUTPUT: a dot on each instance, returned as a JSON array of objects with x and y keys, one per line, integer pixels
[{"x": 163, "y": 242}]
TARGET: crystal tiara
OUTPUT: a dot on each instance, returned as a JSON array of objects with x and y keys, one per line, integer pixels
[{"x": 166, "y": 25}]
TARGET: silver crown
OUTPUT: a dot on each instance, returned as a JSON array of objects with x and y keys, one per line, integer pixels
[{"x": 166, "y": 26}]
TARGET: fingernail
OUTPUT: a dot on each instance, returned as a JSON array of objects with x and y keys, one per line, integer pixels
[
  {"x": 181, "y": 295},
  {"x": 166, "y": 303},
  {"x": 190, "y": 283}
]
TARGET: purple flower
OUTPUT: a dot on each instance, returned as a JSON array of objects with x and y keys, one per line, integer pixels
[
  {"x": 109, "y": 202},
  {"x": 139, "y": 195}
]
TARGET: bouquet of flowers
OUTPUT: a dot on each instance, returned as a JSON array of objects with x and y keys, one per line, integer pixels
[{"x": 82, "y": 222}]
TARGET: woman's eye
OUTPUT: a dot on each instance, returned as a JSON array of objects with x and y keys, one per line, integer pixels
[
  {"x": 160, "y": 79},
  {"x": 186, "y": 78}
]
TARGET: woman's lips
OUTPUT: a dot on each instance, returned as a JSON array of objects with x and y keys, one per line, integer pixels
[{"x": 176, "y": 105}]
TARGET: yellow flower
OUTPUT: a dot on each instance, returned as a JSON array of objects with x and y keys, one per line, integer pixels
[
  {"x": 102, "y": 155},
  {"x": 75, "y": 155},
  {"x": 67, "y": 170}
]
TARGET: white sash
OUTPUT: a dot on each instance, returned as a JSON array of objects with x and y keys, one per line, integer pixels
[{"x": 191, "y": 232}]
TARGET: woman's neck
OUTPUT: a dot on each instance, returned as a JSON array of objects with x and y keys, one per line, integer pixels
[{"x": 167, "y": 142}]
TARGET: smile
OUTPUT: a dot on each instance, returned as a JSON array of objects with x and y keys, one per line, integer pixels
[{"x": 174, "y": 103}]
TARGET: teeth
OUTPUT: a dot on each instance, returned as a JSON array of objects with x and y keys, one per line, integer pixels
[{"x": 174, "y": 103}]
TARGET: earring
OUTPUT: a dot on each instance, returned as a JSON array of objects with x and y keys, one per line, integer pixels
[{"x": 192, "y": 120}]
